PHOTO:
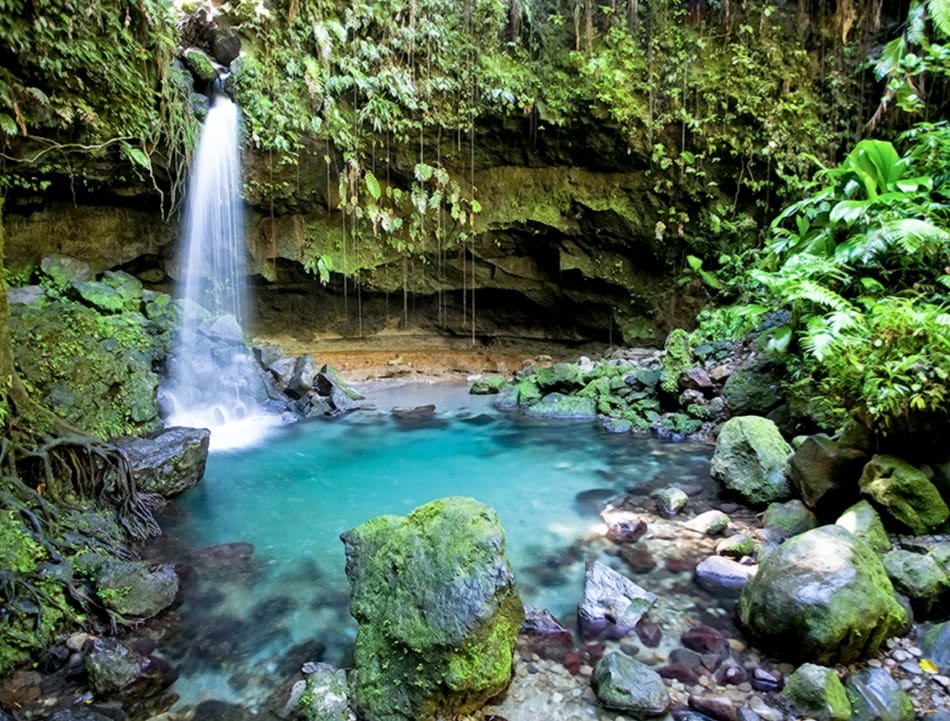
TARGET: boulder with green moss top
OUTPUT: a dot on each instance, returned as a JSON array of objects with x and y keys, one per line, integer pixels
[
  {"x": 752, "y": 390},
  {"x": 863, "y": 522},
  {"x": 790, "y": 517},
  {"x": 823, "y": 596},
  {"x": 630, "y": 686},
  {"x": 817, "y": 692},
  {"x": 750, "y": 459},
  {"x": 922, "y": 579},
  {"x": 134, "y": 590},
  {"x": 437, "y": 609},
  {"x": 559, "y": 405},
  {"x": 558, "y": 377},
  {"x": 676, "y": 360},
  {"x": 200, "y": 65},
  {"x": 528, "y": 391},
  {"x": 488, "y": 385},
  {"x": 904, "y": 493}
]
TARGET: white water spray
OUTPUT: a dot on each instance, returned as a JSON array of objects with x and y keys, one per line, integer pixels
[{"x": 214, "y": 381}]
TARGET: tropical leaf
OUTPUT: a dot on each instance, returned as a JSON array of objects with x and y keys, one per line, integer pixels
[
  {"x": 372, "y": 185},
  {"x": 940, "y": 15},
  {"x": 8, "y": 124},
  {"x": 914, "y": 234}
]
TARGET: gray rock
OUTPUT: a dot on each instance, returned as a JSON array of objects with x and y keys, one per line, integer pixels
[
  {"x": 935, "y": 643},
  {"x": 225, "y": 44},
  {"x": 325, "y": 695},
  {"x": 791, "y": 517},
  {"x": 738, "y": 546},
  {"x": 817, "y": 692},
  {"x": 168, "y": 462},
  {"x": 612, "y": 604},
  {"x": 283, "y": 371},
  {"x": 628, "y": 685},
  {"x": 919, "y": 577},
  {"x": 710, "y": 523},
  {"x": 718, "y": 574},
  {"x": 876, "y": 696},
  {"x": 437, "y": 609},
  {"x": 671, "y": 500},
  {"x": 752, "y": 390},
  {"x": 136, "y": 590},
  {"x": 304, "y": 376},
  {"x": 862, "y": 521},
  {"x": 824, "y": 473},
  {"x": 750, "y": 459},
  {"x": 63, "y": 270},
  {"x": 225, "y": 328},
  {"x": 115, "y": 669},
  {"x": 822, "y": 596},
  {"x": 25, "y": 295},
  {"x": 904, "y": 493}
]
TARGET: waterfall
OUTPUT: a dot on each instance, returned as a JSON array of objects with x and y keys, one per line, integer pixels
[{"x": 214, "y": 381}]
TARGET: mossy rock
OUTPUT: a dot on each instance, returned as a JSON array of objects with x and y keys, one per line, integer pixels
[
  {"x": 817, "y": 692},
  {"x": 560, "y": 377},
  {"x": 922, "y": 579},
  {"x": 752, "y": 390},
  {"x": 200, "y": 65},
  {"x": 133, "y": 590},
  {"x": 437, "y": 609},
  {"x": 528, "y": 392},
  {"x": 750, "y": 459},
  {"x": 676, "y": 360},
  {"x": 560, "y": 406},
  {"x": 862, "y": 521},
  {"x": 904, "y": 493},
  {"x": 488, "y": 385}
]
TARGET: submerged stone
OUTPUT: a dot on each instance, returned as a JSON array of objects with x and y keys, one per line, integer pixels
[
  {"x": 134, "y": 590},
  {"x": 876, "y": 696},
  {"x": 824, "y": 473},
  {"x": 437, "y": 609}
]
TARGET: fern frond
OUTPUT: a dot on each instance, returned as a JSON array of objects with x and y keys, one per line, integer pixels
[
  {"x": 820, "y": 295},
  {"x": 940, "y": 15},
  {"x": 916, "y": 234}
]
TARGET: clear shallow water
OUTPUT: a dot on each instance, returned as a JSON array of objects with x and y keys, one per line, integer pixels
[{"x": 248, "y": 622}]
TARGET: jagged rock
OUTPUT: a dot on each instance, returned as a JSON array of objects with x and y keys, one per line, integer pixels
[
  {"x": 718, "y": 574},
  {"x": 904, "y": 493},
  {"x": 328, "y": 380},
  {"x": 710, "y": 523},
  {"x": 935, "y": 643},
  {"x": 822, "y": 596},
  {"x": 824, "y": 473},
  {"x": 750, "y": 459},
  {"x": 695, "y": 378},
  {"x": 437, "y": 609},
  {"x": 919, "y": 577},
  {"x": 488, "y": 385},
  {"x": 863, "y": 522},
  {"x": 622, "y": 526},
  {"x": 542, "y": 634},
  {"x": 612, "y": 604},
  {"x": 116, "y": 669},
  {"x": 323, "y": 696},
  {"x": 817, "y": 692},
  {"x": 876, "y": 696},
  {"x": 558, "y": 405},
  {"x": 304, "y": 376},
  {"x": 670, "y": 501},
  {"x": 283, "y": 371},
  {"x": 225, "y": 43},
  {"x": 628, "y": 685},
  {"x": 135, "y": 590},
  {"x": 791, "y": 517},
  {"x": 225, "y": 328},
  {"x": 63, "y": 271},
  {"x": 168, "y": 462}
]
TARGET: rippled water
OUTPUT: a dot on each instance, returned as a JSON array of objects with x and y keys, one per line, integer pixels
[{"x": 249, "y": 620}]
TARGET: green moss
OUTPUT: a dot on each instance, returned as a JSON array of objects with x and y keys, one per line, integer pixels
[
  {"x": 677, "y": 359},
  {"x": 18, "y": 551}
]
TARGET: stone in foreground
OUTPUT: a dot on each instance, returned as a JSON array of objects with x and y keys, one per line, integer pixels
[
  {"x": 822, "y": 596},
  {"x": 630, "y": 686},
  {"x": 904, "y": 492},
  {"x": 437, "y": 609},
  {"x": 817, "y": 692},
  {"x": 612, "y": 605}
]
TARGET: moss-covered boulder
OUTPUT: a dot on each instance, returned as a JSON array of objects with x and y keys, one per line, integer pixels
[
  {"x": 750, "y": 460},
  {"x": 904, "y": 493},
  {"x": 559, "y": 405},
  {"x": 790, "y": 517},
  {"x": 877, "y": 696},
  {"x": 752, "y": 390},
  {"x": 488, "y": 385},
  {"x": 677, "y": 359},
  {"x": 863, "y": 522},
  {"x": 822, "y": 596},
  {"x": 922, "y": 579},
  {"x": 825, "y": 473},
  {"x": 437, "y": 609},
  {"x": 630, "y": 686},
  {"x": 134, "y": 590},
  {"x": 817, "y": 692}
]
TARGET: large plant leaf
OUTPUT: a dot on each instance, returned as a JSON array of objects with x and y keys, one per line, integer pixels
[{"x": 940, "y": 15}]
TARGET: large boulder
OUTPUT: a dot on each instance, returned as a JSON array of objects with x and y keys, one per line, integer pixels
[
  {"x": 135, "y": 590},
  {"x": 168, "y": 462},
  {"x": 904, "y": 493},
  {"x": 877, "y": 696},
  {"x": 863, "y": 522},
  {"x": 922, "y": 579},
  {"x": 750, "y": 460},
  {"x": 752, "y": 390},
  {"x": 437, "y": 609},
  {"x": 824, "y": 473},
  {"x": 822, "y": 596},
  {"x": 117, "y": 670}
]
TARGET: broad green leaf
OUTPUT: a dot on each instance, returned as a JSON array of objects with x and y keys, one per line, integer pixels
[
  {"x": 694, "y": 262},
  {"x": 8, "y": 124},
  {"x": 372, "y": 185},
  {"x": 423, "y": 172},
  {"x": 848, "y": 211},
  {"x": 138, "y": 157}
]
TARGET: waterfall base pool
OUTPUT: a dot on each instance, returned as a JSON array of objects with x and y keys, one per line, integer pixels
[{"x": 253, "y": 611}]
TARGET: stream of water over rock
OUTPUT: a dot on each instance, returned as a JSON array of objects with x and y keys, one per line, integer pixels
[{"x": 252, "y": 612}]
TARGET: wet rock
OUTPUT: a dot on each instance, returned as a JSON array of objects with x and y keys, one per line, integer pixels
[
  {"x": 922, "y": 579},
  {"x": 822, "y": 596},
  {"x": 876, "y": 696},
  {"x": 862, "y": 521},
  {"x": 76, "y": 712},
  {"x": 168, "y": 462},
  {"x": 560, "y": 406},
  {"x": 686, "y": 657},
  {"x": 750, "y": 460},
  {"x": 625, "y": 684},
  {"x": 752, "y": 390},
  {"x": 224, "y": 561},
  {"x": 824, "y": 472},
  {"x": 415, "y": 416},
  {"x": 731, "y": 674},
  {"x": 558, "y": 377},
  {"x": 638, "y": 558},
  {"x": 904, "y": 493},
  {"x": 715, "y": 706},
  {"x": 696, "y": 377},
  {"x": 817, "y": 692},
  {"x": 679, "y": 672},
  {"x": 322, "y": 697},
  {"x": 225, "y": 43},
  {"x": 225, "y": 328},
  {"x": 542, "y": 634},
  {"x": 670, "y": 501},
  {"x": 710, "y": 523},
  {"x": 791, "y": 517},
  {"x": 616, "y": 425},
  {"x": 136, "y": 590},
  {"x": 764, "y": 680},
  {"x": 313, "y": 405},
  {"x": 649, "y": 634},
  {"x": 283, "y": 371},
  {"x": 935, "y": 644},
  {"x": 63, "y": 271},
  {"x": 488, "y": 385},
  {"x": 612, "y": 605},
  {"x": 200, "y": 65},
  {"x": 437, "y": 609},
  {"x": 718, "y": 574},
  {"x": 737, "y": 546},
  {"x": 330, "y": 383},
  {"x": 704, "y": 639},
  {"x": 25, "y": 295},
  {"x": 304, "y": 376},
  {"x": 622, "y": 526},
  {"x": 115, "y": 669},
  {"x": 20, "y": 689},
  {"x": 215, "y": 710}
]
